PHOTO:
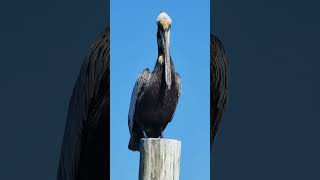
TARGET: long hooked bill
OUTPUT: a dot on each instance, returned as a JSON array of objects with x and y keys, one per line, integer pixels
[{"x": 167, "y": 59}]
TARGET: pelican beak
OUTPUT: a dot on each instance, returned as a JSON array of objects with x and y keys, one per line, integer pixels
[
  {"x": 167, "y": 62},
  {"x": 164, "y": 23}
]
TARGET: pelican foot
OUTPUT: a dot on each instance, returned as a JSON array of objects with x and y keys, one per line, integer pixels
[
  {"x": 144, "y": 135},
  {"x": 161, "y": 135}
]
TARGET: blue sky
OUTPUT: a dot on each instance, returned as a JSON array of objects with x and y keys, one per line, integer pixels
[{"x": 133, "y": 48}]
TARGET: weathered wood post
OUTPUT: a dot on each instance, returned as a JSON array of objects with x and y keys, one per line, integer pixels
[{"x": 159, "y": 159}]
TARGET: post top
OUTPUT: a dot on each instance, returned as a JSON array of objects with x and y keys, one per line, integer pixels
[{"x": 160, "y": 139}]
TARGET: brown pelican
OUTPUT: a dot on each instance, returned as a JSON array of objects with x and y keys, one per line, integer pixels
[
  {"x": 155, "y": 94},
  {"x": 219, "y": 85},
  {"x": 84, "y": 149}
]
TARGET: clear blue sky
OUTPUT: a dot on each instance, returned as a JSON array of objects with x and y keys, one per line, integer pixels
[{"x": 133, "y": 48}]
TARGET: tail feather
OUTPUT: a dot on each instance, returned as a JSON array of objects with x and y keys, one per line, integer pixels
[{"x": 134, "y": 143}]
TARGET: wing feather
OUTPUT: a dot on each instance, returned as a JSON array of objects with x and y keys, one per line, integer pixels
[
  {"x": 89, "y": 99},
  {"x": 219, "y": 86},
  {"x": 136, "y": 94}
]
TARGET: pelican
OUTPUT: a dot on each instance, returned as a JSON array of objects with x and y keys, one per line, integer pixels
[
  {"x": 155, "y": 94},
  {"x": 84, "y": 148},
  {"x": 219, "y": 85}
]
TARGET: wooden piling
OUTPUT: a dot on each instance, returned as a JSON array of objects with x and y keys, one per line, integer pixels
[{"x": 159, "y": 159}]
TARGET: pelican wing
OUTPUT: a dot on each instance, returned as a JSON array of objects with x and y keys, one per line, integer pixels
[
  {"x": 179, "y": 85},
  {"x": 136, "y": 95},
  {"x": 219, "y": 86},
  {"x": 88, "y": 111}
]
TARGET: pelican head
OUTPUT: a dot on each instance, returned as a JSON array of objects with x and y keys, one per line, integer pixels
[{"x": 163, "y": 37}]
